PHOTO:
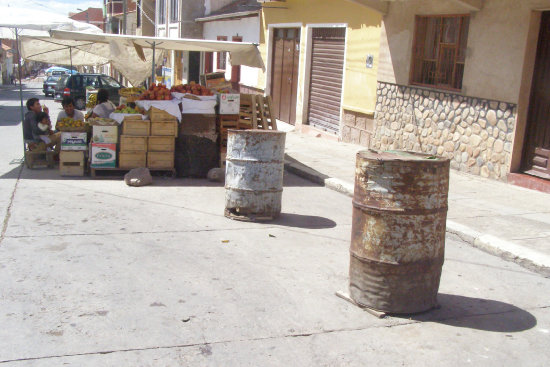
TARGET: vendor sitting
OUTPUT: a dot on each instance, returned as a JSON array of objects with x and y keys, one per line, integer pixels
[
  {"x": 69, "y": 110},
  {"x": 104, "y": 107},
  {"x": 34, "y": 108},
  {"x": 42, "y": 133}
]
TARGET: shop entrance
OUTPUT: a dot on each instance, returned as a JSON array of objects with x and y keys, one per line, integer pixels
[
  {"x": 194, "y": 65},
  {"x": 536, "y": 153},
  {"x": 327, "y": 71},
  {"x": 284, "y": 75}
]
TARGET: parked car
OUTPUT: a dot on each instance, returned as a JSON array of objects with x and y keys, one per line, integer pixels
[
  {"x": 49, "y": 85},
  {"x": 76, "y": 86}
]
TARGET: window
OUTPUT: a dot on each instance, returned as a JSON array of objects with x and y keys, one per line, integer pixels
[
  {"x": 90, "y": 81},
  {"x": 161, "y": 11},
  {"x": 107, "y": 81},
  {"x": 439, "y": 51},
  {"x": 222, "y": 56},
  {"x": 173, "y": 11},
  {"x": 138, "y": 14}
]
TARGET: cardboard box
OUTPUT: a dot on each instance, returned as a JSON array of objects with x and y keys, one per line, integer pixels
[
  {"x": 133, "y": 143},
  {"x": 103, "y": 155},
  {"x": 229, "y": 104},
  {"x": 161, "y": 144},
  {"x": 164, "y": 128},
  {"x": 105, "y": 134},
  {"x": 71, "y": 163},
  {"x": 156, "y": 114},
  {"x": 129, "y": 160},
  {"x": 160, "y": 160},
  {"x": 197, "y": 123},
  {"x": 74, "y": 141}
]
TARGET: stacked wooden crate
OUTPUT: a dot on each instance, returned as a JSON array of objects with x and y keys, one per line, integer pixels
[
  {"x": 133, "y": 142},
  {"x": 161, "y": 142},
  {"x": 255, "y": 113}
]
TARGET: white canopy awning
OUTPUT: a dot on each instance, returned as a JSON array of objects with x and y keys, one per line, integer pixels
[
  {"x": 35, "y": 22},
  {"x": 241, "y": 53}
]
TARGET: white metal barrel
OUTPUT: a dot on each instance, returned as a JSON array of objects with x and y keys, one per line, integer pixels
[{"x": 254, "y": 174}]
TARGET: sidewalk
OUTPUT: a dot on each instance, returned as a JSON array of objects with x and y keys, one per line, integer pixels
[{"x": 502, "y": 219}]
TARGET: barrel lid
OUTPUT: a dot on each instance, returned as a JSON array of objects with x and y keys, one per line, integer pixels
[{"x": 398, "y": 155}]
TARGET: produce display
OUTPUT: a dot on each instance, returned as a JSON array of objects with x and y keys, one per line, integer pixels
[
  {"x": 102, "y": 121},
  {"x": 134, "y": 91},
  {"x": 157, "y": 92},
  {"x": 69, "y": 122},
  {"x": 92, "y": 101},
  {"x": 127, "y": 109},
  {"x": 192, "y": 88}
]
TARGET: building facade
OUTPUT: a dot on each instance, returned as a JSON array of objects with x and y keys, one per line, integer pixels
[
  {"x": 467, "y": 80},
  {"x": 322, "y": 63}
]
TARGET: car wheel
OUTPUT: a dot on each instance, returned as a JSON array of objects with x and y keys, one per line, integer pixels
[{"x": 80, "y": 104}]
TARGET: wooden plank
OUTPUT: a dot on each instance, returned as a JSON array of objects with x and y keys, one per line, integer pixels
[
  {"x": 254, "y": 113},
  {"x": 270, "y": 109}
]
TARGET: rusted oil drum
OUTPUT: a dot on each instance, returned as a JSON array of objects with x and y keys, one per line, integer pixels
[
  {"x": 398, "y": 230},
  {"x": 254, "y": 174}
]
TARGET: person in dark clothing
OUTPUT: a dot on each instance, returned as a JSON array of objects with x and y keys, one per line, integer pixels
[{"x": 34, "y": 108}]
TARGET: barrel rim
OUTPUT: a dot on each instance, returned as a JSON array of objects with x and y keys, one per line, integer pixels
[
  {"x": 401, "y": 156},
  {"x": 255, "y": 131}
]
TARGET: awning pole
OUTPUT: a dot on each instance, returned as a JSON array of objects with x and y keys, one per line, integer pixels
[
  {"x": 20, "y": 87},
  {"x": 153, "y": 66},
  {"x": 71, "y": 57}
]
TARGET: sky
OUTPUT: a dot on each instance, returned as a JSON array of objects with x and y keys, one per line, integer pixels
[{"x": 62, "y": 7}]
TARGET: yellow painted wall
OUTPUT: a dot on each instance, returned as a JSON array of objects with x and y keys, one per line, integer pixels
[{"x": 362, "y": 38}]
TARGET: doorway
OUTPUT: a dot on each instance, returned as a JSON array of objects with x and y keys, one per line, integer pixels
[
  {"x": 284, "y": 75},
  {"x": 536, "y": 149},
  {"x": 194, "y": 66}
]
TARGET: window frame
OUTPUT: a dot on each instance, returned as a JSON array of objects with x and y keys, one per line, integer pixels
[
  {"x": 461, "y": 32},
  {"x": 174, "y": 10},
  {"x": 161, "y": 11}
]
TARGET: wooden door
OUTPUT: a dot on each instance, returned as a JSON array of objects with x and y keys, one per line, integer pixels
[
  {"x": 284, "y": 75},
  {"x": 536, "y": 154},
  {"x": 327, "y": 71}
]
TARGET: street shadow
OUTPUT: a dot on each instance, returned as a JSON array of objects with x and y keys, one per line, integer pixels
[
  {"x": 303, "y": 221},
  {"x": 478, "y": 314}
]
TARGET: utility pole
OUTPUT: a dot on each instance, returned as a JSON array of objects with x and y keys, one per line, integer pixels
[{"x": 124, "y": 11}]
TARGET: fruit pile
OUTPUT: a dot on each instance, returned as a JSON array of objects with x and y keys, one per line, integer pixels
[
  {"x": 192, "y": 88},
  {"x": 127, "y": 109},
  {"x": 134, "y": 91},
  {"x": 157, "y": 92},
  {"x": 92, "y": 101},
  {"x": 101, "y": 121},
  {"x": 69, "y": 122}
]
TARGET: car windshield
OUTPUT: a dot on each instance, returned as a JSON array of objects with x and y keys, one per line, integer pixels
[{"x": 53, "y": 79}]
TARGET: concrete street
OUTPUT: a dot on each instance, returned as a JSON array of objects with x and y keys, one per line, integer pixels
[{"x": 96, "y": 273}]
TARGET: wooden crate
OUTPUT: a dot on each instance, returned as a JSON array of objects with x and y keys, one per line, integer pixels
[
  {"x": 133, "y": 143},
  {"x": 134, "y": 117},
  {"x": 164, "y": 128},
  {"x": 160, "y": 160},
  {"x": 136, "y": 127},
  {"x": 161, "y": 144},
  {"x": 71, "y": 163},
  {"x": 132, "y": 159},
  {"x": 156, "y": 114}
]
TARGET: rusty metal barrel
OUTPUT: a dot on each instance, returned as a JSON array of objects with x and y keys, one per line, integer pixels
[
  {"x": 398, "y": 230},
  {"x": 254, "y": 174}
]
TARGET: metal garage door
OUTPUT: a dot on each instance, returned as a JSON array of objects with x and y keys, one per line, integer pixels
[{"x": 327, "y": 70}]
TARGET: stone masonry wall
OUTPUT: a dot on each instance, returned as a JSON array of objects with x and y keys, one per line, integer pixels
[{"x": 475, "y": 134}]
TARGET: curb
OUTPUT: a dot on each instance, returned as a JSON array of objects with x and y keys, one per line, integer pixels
[{"x": 530, "y": 259}]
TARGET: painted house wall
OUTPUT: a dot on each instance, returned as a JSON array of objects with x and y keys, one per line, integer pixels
[
  {"x": 480, "y": 128},
  {"x": 249, "y": 30},
  {"x": 496, "y": 44},
  {"x": 362, "y": 38}
]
